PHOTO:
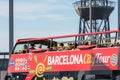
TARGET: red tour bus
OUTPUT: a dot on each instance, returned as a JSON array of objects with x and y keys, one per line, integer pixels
[{"x": 66, "y": 58}]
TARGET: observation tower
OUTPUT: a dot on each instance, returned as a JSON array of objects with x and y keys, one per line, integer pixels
[{"x": 94, "y": 17}]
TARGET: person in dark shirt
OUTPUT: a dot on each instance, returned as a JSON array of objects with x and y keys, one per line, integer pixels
[
  {"x": 32, "y": 46},
  {"x": 25, "y": 49}
]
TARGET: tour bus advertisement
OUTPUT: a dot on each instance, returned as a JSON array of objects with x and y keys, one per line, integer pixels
[{"x": 62, "y": 61}]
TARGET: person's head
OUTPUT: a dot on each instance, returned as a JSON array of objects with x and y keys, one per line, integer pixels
[
  {"x": 61, "y": 44},
  {"x": 25, "y": 46},
  {"x": 32, "y": 45},
  {"x": 86, "y": 43},
  {"x": 40, "y": 45}
]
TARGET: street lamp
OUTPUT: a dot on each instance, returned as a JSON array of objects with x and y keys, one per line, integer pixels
[{"x": 11, "y": 32}]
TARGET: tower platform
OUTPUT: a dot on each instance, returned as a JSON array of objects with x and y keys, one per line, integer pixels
[
  {"x": 100, "y": 9},
  {"x": 99, "y": 12}
]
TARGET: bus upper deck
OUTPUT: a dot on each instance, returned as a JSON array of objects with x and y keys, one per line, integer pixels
[{"x": 70, "y": 42}]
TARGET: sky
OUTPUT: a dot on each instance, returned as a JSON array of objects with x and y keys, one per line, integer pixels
[{"x": 41, "y": 18}]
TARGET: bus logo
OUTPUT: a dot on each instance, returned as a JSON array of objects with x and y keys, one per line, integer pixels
[
  {"x": 40, "y": 68},
  {"x": 114, "y": 59},
  {"x": 12, "y": 63}
]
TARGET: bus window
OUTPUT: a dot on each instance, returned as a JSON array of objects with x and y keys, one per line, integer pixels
[{"x": 18, "y": 48}]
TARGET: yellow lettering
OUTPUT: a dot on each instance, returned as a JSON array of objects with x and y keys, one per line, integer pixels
[{"x": 89, "y": 59}]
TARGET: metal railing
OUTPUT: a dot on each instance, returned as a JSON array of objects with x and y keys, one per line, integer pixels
[{"x": 96, "y": 3}]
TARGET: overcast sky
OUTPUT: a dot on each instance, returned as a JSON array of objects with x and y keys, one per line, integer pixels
[{"x": 41, "y": 18}]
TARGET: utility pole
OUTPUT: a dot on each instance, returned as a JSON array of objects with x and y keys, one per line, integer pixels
[
  {"x": 90, "y": 17},
  {"x": 11, "y": 29},
  {"x": 119, "y": 18}
]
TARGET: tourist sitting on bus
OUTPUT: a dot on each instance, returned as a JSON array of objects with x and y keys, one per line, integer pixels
[
  {"x": 75, "y": 46},
  {"x": 86, "y": 43},
  {"x": 69, "y": 47},
  {"x": 54, "y": 48},
  {"x": 117, "y": 43},
  {"x": 40, "y": 46},
  {"x": 25, "y": 49},
  {"x": 32, "y": 46},
  {"x": 61, "y": 47},
  {"x": 110, "y": 44}
]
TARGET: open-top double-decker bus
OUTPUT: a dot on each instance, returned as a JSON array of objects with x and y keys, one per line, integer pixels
[{"x": 66, "y": 58}]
